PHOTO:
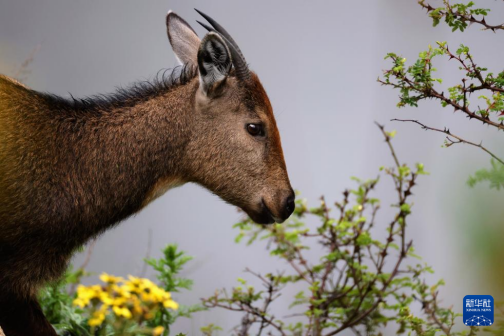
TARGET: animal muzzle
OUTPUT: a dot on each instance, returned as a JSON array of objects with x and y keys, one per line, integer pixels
[{"x": 277, "y": 209}]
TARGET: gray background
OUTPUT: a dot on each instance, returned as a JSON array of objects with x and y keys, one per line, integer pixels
[{"x": 318, "y": 61}]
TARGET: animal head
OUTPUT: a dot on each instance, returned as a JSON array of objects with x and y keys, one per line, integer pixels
[{"x": 235, "y": 151}]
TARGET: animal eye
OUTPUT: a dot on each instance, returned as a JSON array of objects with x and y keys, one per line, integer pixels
[{"x": 255, "y": 129}]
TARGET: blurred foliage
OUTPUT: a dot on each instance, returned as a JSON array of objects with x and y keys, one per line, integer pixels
[
  {"x": 494, "y": 175},
  {"x": 480, "y": 222},
  {"x": 135, "y": 306},
  {"x": 167, "y": 270},
  {"x": 417, "y": 82},
  {"x": 56, "y": 300}
]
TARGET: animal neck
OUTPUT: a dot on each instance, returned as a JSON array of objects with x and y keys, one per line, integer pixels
[
  {"x": 141, "y": 148},
  {"x": 106, "y": 160}
]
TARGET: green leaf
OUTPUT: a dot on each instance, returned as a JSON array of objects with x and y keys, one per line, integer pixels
[{"x": 494, "y": 176}]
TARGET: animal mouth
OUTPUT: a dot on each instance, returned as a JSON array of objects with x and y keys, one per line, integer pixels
[
  {"x": 261, "y": 214},
  {"x": 267, "y": 214}
]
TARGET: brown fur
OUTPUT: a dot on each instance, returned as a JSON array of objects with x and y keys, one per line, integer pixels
[
  {"x": 67, "y": 175},
  {"x": 71, "y": 169}
]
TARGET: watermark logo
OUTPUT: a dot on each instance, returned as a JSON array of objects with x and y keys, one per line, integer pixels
[{"x": 478, "y": 310}]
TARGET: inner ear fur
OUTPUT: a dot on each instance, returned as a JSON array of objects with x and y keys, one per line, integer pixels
[
  {"x": 214, "y": 63},
  {"x": 183, "y": 39}
]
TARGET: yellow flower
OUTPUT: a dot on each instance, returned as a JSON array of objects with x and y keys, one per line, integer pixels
[
  {"x": 106, "y": 299},
  {"x": 147, "y": 289},
  {"x": 134, "y": 280},
  {"x": 96, "y": 289},
  {"x": 130, "y": 299},
  {"x": 110, "y": 279},
  {"x": 86, "y": 294},
  {"x": 122, "y": 312},
  {"x": 97, "y": 319},
  {"x": 137, "y": 307},
  {"x": 159, "y": 295},
  {"x": 122, "y": 291},
  {"x": 171, "y": 304},
  {"x": 146, "y": 283},
  {"x": 80, "y": 302},
  {"x": 119, "y": 301},
  {"x": 133, "y": 285},
  {"x": 157, "y": 331},
  {"x": 94, "y": 322}
]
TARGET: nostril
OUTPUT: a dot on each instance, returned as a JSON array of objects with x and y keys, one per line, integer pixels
[{"x": 289, "y": 205}]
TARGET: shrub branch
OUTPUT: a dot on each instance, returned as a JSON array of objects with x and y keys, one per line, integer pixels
[
  {"x": 350, "y": 287},
  {"x": 451, "y": 136},
  {"x": 459, "y": 16}
]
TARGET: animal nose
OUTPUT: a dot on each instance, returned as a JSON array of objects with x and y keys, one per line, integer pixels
[{"x": 289, "y": 205}]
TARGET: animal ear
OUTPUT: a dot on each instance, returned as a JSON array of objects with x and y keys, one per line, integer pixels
[
  {"x": 183, "y": 39},
  {"x": 214, "y": 63}
]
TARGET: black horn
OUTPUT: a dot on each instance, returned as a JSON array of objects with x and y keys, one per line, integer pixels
[{"x": 239, "y": 63}]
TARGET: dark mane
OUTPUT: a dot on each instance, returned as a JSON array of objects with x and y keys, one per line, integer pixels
[{"x": 129, "y": 96}]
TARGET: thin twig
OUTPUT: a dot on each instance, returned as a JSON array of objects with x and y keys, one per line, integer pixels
[
  {"x": 451, "y": 141},
  {"x": 84, "y": 265},
  {"x": 246, "y": 323},
  {"x": 387, "y": 139},
  {"x": 88, "y": 254},
  {"x": 24, "y": 69},
  {"x": 147, "y": 254}
]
